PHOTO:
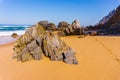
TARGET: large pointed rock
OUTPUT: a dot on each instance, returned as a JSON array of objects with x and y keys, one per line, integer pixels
[
  {"x": 76, "y": 24},
  {"x": 36, "y": 43}
]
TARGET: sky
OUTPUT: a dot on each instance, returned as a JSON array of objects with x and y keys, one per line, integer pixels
[{"x": 88, "y": 12}]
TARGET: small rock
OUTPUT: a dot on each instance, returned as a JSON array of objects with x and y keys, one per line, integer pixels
[
  {"x": 14, "y": 35},
  {"x": 81, "y": 36}
]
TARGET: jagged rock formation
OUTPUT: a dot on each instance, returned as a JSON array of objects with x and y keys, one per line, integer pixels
[
  {"x": 36, "y": 43},
  {"x": 73, "y": 29},
  {"x": 76, "y": 24}
]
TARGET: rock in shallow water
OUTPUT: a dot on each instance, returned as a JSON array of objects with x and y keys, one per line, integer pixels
[{"x": 36, "y": 43}]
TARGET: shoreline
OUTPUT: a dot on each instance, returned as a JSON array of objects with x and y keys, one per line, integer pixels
[
  {"x": 4, "y": 40},
  {"x": 7, "y": 44},
  {"x": 11, "y": 40}
]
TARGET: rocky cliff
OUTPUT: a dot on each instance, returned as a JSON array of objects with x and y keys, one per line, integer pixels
[
  {"x": 106, "y": 18},
  {"x": 112, "y": 25},
  {"x": 114, "y": 20}
]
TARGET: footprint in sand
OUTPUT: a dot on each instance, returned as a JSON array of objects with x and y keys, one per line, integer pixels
[
  {"x": 109, "y": 50},
  {"x": 117, "y": 59}
]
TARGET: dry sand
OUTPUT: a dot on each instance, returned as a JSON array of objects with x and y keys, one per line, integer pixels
[{"x": 99, "y": 59}]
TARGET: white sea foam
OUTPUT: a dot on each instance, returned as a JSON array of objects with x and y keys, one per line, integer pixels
[
  {"x": 7, "y": 30},
  {"x": 8, "y": 33},
  {"x": 5, "y": 36}
]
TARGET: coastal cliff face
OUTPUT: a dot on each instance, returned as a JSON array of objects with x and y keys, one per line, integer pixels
[
  {"x": 106, "y": 18},
  {"x": 36, "y": 43},
  {"x": 114, "y": 21},
  {"x": 112, "y": 24}
]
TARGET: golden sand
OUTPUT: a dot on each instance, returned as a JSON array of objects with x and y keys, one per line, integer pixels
[{"x": 99, "y": 59}]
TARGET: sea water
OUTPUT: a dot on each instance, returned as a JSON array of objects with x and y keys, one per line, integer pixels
[{"x": 7, "y": 30}]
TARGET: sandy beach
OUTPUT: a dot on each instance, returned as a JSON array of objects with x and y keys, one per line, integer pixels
[{"x": 99, "y": 59}]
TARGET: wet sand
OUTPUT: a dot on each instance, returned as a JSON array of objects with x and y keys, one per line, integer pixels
[{"x": 99, "y": 59}]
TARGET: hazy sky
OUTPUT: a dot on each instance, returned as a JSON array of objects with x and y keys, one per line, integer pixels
[{"x": 88, "y": 12}]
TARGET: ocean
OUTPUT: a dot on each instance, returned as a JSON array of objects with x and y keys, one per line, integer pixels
[{"x": 6, "y": 29}]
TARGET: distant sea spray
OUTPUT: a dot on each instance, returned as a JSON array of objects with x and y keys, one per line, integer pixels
[{"x": 6, "y": 29}]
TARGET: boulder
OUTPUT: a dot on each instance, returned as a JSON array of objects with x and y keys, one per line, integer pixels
[
  {"x": 47, "y": 25},
  {"x": 44, "y": 23},
  {"x": 14, "y": 35},
  {"x": 62, "y": 25},
  {"x": 36, "y": 43},
  {"x": 51, "y": 26}
]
